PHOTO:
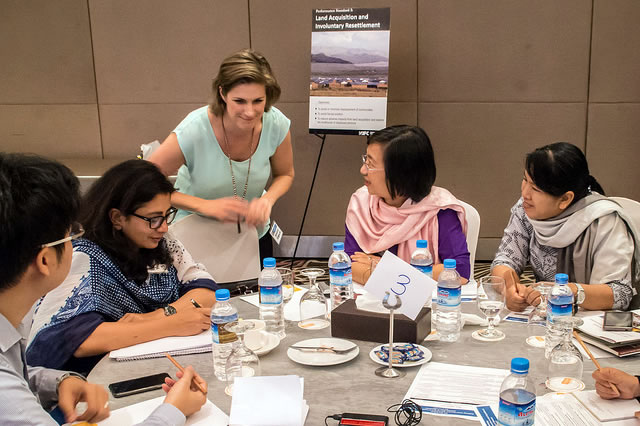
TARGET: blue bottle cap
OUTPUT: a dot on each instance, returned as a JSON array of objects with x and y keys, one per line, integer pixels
[
  {"x": 422, "y": 244},
  {"x": 519, "y": 365},
  {"x": 562, "y": 278},
  {"x": 268, "y": 262},
  {"x": 449, "y": 263},
  {"x": 222, "y": 295},
  {"x": 338, "y": 246}
]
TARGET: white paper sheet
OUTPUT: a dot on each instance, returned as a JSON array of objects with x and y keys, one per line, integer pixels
[
  {"x": 562, "y": 410},
  {"x": 608, "y": 409},
  {"x": 209, "y": 414},
  {"x": 268, "y": 401},
  {"x": 593, "y": 326},
  {"x": 398, "y": 277},
  {"x": 458, "y": 388}
]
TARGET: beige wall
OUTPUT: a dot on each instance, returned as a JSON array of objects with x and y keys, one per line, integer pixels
[{"x": 488, "y": 80}]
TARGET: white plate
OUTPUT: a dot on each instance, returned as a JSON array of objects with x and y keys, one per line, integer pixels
[
  {"x": 272, "y": 343},
  {"x": 427, "y": 356},
  {"x": 323, "y": 358}
]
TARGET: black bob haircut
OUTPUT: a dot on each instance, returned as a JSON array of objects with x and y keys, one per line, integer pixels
[
  {"x": 39, "y": 201},
  {"x": 561, "y": 167},
  {"x": 126, "y": 187},
  {"x": 409, "y": 163}
]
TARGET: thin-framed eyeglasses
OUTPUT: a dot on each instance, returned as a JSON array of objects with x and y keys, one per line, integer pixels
[
  {"x": 365, "y": 161},
  {"x": 76, "y": 232},
  {"x": 156, "y": 222}
]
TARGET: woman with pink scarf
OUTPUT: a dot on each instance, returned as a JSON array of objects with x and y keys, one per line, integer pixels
[{"x": 399, "y": 205}]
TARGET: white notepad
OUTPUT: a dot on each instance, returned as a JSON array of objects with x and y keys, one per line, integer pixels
[
  {"x": 209, "y": 414},
  {"x": 607, "y": 410},
  {"x": 185, "y": 345}
]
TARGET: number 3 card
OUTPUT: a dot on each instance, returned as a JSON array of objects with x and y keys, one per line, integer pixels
[{"x": 398, "y": 277}]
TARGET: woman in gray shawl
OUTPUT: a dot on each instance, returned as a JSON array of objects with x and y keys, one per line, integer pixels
[{"x": 564, "y": 223}]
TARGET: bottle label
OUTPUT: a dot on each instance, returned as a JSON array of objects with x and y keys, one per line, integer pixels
[
  {"x": 270, "y": 295},
  {"x": 340, "y": 277},
  {"x": 513, "y": 414},
  {"x": 449, "y": 297},
  {"x": 558, "y": 310},
  {"x": 425, "y": 269},
  {"x": 218, "y": 333}
]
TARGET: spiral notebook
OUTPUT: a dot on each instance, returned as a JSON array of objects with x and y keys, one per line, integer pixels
[{"x": 199, "y": 343}]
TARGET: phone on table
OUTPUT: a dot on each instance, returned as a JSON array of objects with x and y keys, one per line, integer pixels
[
  {"x": 138, "y": 385},
  {"x": 618, "y": 321}
]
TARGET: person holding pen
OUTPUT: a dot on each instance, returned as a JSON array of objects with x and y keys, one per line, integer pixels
[
  {"x": 130, "y": 282},
  {"x": 628, "y": 386},
  {"x": 40, "y": 201}
]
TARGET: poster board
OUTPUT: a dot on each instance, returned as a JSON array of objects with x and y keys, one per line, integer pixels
[{"x": 349, "y": 70}]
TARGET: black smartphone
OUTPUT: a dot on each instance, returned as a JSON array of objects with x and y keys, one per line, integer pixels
[
  {"x": 138, "y": 385},
  {"x": 618, "y": 321}
]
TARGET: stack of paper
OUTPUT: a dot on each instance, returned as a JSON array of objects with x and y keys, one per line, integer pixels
[
  {"x": 209, "y": 414},
  {"x": 619, "y": 343},
  {"x": 268, "y": 401},
  {"x": 584, "y": 408},
  {"x": 157, "y": 348}
]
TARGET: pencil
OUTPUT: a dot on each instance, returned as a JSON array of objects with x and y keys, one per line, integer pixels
[
  {"x": 177, "y": 364},
  {"x": 595, "y": 361}
]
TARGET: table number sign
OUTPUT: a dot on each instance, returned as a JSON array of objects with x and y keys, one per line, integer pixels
[{"x": 401, "y": 279}]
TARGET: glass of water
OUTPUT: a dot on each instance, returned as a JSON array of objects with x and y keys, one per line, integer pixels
[
  {"x": 491, "y": 299},
  {"x": 287, "y": 283},
  {"x": 537, "y": 321}
]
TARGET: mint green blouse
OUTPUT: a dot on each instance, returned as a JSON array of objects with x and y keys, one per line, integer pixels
[{"x": 205, "y": 173}]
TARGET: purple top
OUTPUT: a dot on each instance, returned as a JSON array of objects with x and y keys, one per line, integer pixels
[{"x": 452, "y": 243}]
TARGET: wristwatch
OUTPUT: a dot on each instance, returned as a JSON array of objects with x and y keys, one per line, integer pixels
[
  {"x": 580, "y": 296},
  {"x": 66, "y": 376},
  {"x": 169, "y": 310}
]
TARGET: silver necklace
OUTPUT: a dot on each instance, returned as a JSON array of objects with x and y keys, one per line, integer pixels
[{"x": 233, "y": 177}]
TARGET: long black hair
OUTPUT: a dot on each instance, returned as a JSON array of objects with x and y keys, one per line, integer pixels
[
  {"x": 409, "y": 164},
  {"x": 561, "y": 167},
  {"x": 125, "y": 187}
]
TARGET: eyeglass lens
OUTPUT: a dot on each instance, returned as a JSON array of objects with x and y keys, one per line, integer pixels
[{"x": 157, "y": 221}]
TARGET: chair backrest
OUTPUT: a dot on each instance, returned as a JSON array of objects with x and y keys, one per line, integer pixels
[
  {"x": 631, "y": 208},
  {"x": 229, "y": 256},
  {"x": 473, "y": 231}
]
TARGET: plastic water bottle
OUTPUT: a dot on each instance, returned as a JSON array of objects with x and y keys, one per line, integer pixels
[
  {"x": 271, "y": 310},
  {"x": 224, "y": 341},
  {"x": 559, "y": 304},
  {"x": 517, "y": 396},
  {"x": 421, "y": 258},
  {"x": 448, "y": 315},
  {"x": 340, "y": 276}
]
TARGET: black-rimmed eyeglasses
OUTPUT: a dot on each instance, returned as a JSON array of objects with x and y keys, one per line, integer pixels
[
  {"x": 76, "y": 232},
  {"x": 156, "y": 222}
]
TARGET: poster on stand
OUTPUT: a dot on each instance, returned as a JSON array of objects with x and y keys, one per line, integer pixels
[{"x": 349, "y": 70}]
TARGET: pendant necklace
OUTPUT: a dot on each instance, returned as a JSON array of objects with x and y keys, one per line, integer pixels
[{"x": 233, "y": 177}]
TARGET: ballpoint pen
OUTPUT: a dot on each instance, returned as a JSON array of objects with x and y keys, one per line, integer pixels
[{"x": 196, "y": 304}]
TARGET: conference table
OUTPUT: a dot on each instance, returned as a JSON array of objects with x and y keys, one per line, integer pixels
[{"x": 353, "y": 387}]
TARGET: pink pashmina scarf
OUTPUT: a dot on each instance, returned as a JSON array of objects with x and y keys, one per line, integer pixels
[{"x": 377, "y": 226}]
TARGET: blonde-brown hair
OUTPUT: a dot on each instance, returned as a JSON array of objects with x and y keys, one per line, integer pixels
[{"x": 245, "y": 66}]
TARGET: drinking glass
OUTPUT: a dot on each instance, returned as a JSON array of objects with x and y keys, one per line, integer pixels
[
  {"x": 565, "y": 361},
  {"x": 313, "y": 304},
  {"x": 537, "y": 321},
  {"x": 491, "y": 299},
  {"x": 242, "y": 361},
  {"x": 287, "y": 283}
]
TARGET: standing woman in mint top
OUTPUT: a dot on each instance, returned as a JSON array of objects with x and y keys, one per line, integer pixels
[{"x": 225, "y": 152}]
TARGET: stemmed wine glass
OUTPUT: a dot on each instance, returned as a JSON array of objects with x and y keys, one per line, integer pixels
[
  {"x": 242, "y": 362},
  {"x": 537, "y": 321},
  {"x": 491, "y": 299},
  {"x": 313, "y": 304}
]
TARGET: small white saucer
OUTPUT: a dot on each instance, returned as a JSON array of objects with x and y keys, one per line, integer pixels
[
  {"x": 272, "y": 342},
  {"x": 564, "y": 384}
]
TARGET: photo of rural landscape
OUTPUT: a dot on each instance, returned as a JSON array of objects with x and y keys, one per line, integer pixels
[{"x": 349, "y": 63}]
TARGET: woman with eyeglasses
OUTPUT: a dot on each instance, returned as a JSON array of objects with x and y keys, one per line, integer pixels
[
  {"x": 399, "y": 205},
  {"x": 130, "y": 282}
]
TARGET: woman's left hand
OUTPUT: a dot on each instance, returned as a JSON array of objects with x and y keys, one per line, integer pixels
[
  {"x": 259, "y": 211},
  {"x": 367, "y": 259}
]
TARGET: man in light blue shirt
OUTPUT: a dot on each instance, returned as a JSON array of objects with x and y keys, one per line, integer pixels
[{"x": 38, "y": 202}]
